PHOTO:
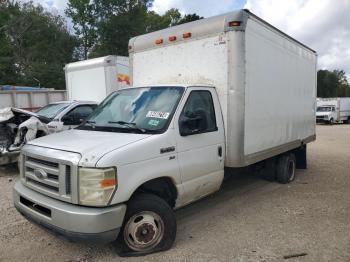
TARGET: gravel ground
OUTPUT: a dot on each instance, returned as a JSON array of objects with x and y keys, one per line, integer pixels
[{"x": 248, "y": 220}]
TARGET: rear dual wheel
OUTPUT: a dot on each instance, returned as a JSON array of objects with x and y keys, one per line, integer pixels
[
  {"x": 280, "y": 169},
  {"x": 285, "y": 169}
]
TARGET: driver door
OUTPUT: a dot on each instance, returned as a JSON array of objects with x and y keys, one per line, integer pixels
[{"x": 200, "y": 143}]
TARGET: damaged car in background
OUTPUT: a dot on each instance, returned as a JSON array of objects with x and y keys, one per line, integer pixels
[{"x": 18, "y": 126}]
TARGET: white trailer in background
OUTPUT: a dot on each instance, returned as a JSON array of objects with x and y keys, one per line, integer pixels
[
  {"x": 94, "y": 79},
  {"x": 333, "y": 110},
  {"x": 30, "y": 99}
]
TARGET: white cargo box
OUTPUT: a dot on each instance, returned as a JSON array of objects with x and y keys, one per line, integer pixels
[
  {"x": 265, "y": 79},
  {"x": 96, "y": 78}
]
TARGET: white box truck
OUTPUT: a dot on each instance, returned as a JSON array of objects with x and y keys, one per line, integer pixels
[
  {"x": 94, "y": 79},
  {"x": 333, "y": 110},
  {"x": 221, "y": 93}
]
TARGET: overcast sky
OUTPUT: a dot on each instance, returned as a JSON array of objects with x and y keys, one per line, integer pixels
[{"x": 324, "y": 25}]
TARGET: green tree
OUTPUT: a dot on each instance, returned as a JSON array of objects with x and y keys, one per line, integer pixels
[
  {"x": 189, "y": 18},
  {"x": 118, "y": 21},
  {"x": 332, "y": 84},
  {"x": 38, "y": 46},
  {"x": 83, "y": 15},
  {"x": 7, "y": 62},
  {"x": 171, "y": 18}
]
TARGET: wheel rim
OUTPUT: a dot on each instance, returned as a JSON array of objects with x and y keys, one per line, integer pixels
[
  {"x": 291, "y": 170},
  {"x": 144, "y": 231}
]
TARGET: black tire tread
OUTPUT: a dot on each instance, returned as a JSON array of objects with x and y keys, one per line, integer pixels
[
  {"x": 282, "y": 175},
  {"x": 149, "y": 202}
]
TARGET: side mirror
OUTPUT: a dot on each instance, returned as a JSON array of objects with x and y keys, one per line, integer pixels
[
  {"x": 70, "y": 121},
  {"x": 191, "y": 125}
]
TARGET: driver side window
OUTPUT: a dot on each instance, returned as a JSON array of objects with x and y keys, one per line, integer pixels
[
  {"x": 198, "y": 114},
  {"x": 78, "y": 114}
]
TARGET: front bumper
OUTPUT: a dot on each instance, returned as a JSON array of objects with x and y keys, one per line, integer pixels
[
  {"x": 73, "y": 222},
  {"x": 322, "y": 119},
  {"x": 8, "y": 157}
]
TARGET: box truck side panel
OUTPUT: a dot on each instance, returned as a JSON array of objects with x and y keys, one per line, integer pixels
[
  {"x": 344, "y": 105},
  {"x": 117, "y": 74},
  {"x": 280, "y": 80},
  {"x": 194, "y": 62},
  {"x": 88, "y": 84},
  {"x": 123, "y": 75}
]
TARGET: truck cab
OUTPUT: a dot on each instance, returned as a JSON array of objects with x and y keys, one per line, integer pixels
[
  {"x": 326, "y": 114},
  {"x": 139, "y": 140}
]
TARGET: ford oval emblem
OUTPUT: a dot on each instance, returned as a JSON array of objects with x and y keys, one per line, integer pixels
[{"x": 39, "y": 173}]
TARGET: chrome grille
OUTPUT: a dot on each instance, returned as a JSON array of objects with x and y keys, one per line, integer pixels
[{"x": 50, "y": 176}]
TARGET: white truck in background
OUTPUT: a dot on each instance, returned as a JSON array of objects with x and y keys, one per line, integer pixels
[
  {"x": 333, "y": 110},
  {"x": 94, "y": 79},
  {"x": 203, "y": 101}
]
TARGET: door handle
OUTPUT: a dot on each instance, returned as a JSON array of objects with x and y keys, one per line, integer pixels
[{"x": 220, "y": 151}]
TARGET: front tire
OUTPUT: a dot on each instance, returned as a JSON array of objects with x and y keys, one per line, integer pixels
[
  {"x": 149, "y": 226},
  {"x": 286, "y": 166},
  {"x": 331, "y": 121}
]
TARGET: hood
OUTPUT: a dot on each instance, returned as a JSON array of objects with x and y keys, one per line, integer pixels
[
  {"x": 91, "y": 145},
  {"x": 9, "y": 112}
]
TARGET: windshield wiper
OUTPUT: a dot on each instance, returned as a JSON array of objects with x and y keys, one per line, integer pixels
[
  {"x": 128, "y": 124},
  {"x": 90, "y": 123}
]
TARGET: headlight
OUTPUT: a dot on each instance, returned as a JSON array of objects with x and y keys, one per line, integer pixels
[{"x": 96, "y": 185}]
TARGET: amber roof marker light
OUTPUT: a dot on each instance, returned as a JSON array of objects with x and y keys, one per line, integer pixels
[
  {"x": 172, "y": 38},
  {"x": 159, "y": 41},
  {"x": 187, "y": 35},
  {"x": 234, "y": 23}
]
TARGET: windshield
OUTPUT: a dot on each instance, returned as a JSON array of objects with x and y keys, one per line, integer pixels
[
  {"x": 141, "y": 110},
  {"x": 324, "y": 109},
  {"x": 52, "y": 110}
]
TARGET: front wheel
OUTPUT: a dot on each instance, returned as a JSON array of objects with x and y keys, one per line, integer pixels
[
  {"x": 331, "y": 121},
  {"x": 149, "y": 226}
]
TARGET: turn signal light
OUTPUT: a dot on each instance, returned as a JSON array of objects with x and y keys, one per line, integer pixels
[
  {"x": 172, "y": 38},
  {"x": 234, "y": 23},
  {"x": 187, "y": 35},
  {"x": 159, "y": 41},
  {"x": 107, "y": 183}
]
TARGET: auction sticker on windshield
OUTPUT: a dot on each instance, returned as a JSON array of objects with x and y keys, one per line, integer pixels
[
  {"x": 157, "y": 114},
  {"x": 153, "y": 122}
]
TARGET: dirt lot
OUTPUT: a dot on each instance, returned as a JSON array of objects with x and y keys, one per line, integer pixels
[{"x": 248, "y": 220}]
